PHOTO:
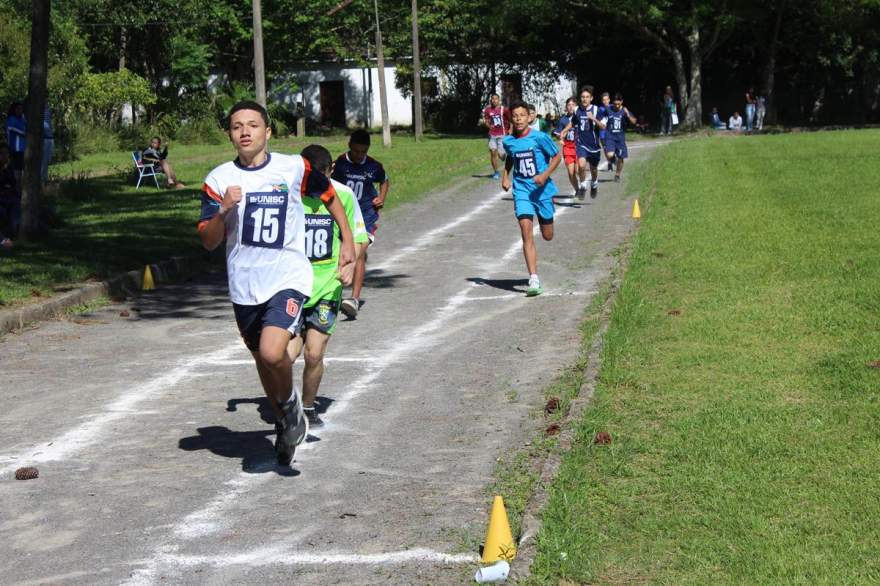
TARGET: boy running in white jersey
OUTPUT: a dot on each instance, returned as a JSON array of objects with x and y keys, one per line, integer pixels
[
  {"x": 322, "y": 248},
  {"x": 255, "y": 203},
  {"x": 587, "y": 121}
]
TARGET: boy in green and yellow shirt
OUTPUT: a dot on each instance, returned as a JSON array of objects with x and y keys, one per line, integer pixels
[{"x": 322, "y": 248}]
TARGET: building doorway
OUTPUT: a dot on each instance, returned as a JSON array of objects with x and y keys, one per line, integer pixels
[{"x": 332, "y": 103}]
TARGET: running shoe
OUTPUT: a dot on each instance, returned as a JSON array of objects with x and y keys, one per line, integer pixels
[
  {"x": 350, "y": 307},
  {"x": 496, "y": 175},
  {"x": 283, "y": 451},
  {"x": 617, "y": 178},
  {"x": 534, "y": 287},
  {"x": 315, "y": 420},
  {"x": 594, "y": 189},
  {"x": 291, "y": 431},
  {"x": 581, "y": 193}
]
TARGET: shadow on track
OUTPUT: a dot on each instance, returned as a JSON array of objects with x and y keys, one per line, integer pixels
[
  {"x": 254, "y": 448},
  {"x": 503, "y": 284}
]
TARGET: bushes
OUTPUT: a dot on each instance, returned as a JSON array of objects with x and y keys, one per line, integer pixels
[{"x": 203, "y": 130}]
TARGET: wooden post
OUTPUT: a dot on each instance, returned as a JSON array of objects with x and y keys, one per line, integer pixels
[
  {"x": 417, "y": 73},
  {"x": 32, "y": 185},
  {"x": 383, "y": 97},
  {"x": 259, "y": 65}
]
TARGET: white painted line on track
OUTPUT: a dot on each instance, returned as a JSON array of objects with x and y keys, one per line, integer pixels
[
  {"x": 250, "y": 362},
  {"x": 507, "y": 296},
  {"x": 79, "y": 438},
  {"x": 432, "y": 235},
  {"x": 280, "y": 556}
]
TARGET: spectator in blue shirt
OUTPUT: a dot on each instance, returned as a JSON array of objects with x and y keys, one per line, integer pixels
[{"x": 16, "y": 131}]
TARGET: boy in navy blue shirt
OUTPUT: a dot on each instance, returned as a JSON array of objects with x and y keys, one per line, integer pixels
[
  {"x": 587, "y": 121},
  {"x": 617, "y": 117},
  {"x": 532, "y": 156},
  {"x": 361, "y": 173}
]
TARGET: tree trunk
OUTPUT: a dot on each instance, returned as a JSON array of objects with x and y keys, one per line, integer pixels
[
  {"x": 32, "y": 187},
  {"x": 693, "y": 115},
  {"x": 680, "y": 79},
  {"x": 769, "y": 88}
]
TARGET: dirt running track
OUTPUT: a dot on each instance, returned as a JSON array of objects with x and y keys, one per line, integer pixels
[{"x": 155, "y": 449}]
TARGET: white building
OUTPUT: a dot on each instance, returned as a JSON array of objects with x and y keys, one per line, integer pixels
[{"x": 340, "y": 94}]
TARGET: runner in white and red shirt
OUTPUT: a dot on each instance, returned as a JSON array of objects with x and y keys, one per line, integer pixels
[
  {"x": 254, "y": 202},
  {"x": 497, "y": 119}
]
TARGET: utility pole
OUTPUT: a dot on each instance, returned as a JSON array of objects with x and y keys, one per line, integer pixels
[
  {"x": 259, "y": 65},
  {"x": 380, "y": 63},
  {"x": 31, "y": 182},
  {"x": 417, "y": 73}
]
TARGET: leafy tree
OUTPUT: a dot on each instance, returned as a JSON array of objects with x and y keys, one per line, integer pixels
[{"x": 102, "y": 95}]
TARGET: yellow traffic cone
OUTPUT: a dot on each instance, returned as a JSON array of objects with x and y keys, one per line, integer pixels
[
  {"x": 148, "y": 284},
  {"x": 499, "y": 541},
  {"x": 637, "y": 213}
]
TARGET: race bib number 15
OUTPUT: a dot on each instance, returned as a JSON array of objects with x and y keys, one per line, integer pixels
[{"x": 265, "y": 216}]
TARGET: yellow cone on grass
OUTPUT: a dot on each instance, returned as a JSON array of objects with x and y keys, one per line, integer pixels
[
  {"x": 148, "y": 284},
  {"x": 637, "y": 213},
  {"x": 499, "y": 543}
]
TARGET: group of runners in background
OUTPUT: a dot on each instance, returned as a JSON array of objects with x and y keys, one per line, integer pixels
[{"x": 519, "y": 141}]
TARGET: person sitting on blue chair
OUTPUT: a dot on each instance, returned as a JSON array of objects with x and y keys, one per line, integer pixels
[{"x": 156, "y": 155}]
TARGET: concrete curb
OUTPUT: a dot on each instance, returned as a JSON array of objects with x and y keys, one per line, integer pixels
[{"x": 168, "y": 271}]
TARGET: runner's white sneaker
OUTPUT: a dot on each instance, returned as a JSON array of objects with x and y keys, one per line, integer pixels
[
  {"x": 350, "y": 307},
  {"x": 534, "y": 286}
]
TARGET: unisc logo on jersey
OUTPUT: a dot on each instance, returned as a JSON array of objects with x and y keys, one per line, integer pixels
[{"x": 292, "y": 307}]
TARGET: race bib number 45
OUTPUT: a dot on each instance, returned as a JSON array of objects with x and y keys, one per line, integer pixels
[
  {"x": 319, "y": 237},
  {"x": 265, "y": 215},
  {"x": 525, "y": 164}
]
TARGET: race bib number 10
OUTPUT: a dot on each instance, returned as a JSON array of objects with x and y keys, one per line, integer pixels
[
  {"x": 265, "y": 215},
  {"x": 319, "y": 237}
]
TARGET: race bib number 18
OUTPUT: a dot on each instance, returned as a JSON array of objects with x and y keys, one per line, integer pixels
[
  {"x": 319, "y": 237},
  {"x": 265, "y": 215}
]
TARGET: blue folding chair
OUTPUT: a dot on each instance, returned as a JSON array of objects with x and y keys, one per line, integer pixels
[{"x": 144, "y": 169}]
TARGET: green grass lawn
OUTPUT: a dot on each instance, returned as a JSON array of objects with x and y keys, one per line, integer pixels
[
  {"x": 746, "y": 429},
  {"x": 109, "y": 227}
]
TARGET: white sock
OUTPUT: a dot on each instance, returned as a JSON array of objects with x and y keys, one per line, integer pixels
[{"x": 533, "y": 276}]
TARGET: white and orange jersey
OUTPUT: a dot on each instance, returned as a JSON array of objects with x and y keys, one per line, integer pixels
[{"x": 265, "y": 234}]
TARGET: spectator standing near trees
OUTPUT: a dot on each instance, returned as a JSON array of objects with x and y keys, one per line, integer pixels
[
  {"x": 667, "y": 111},
  {"x": 10, "y": 196},
  {"x": 750, "y": 109},
  {"x": 16, "y": 132},
  {"x": 760, "y": 111},
  {"x": 48, "y": 145}
]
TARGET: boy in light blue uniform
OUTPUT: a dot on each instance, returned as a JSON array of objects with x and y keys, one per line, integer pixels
[{"x": 531, "y": 159}]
